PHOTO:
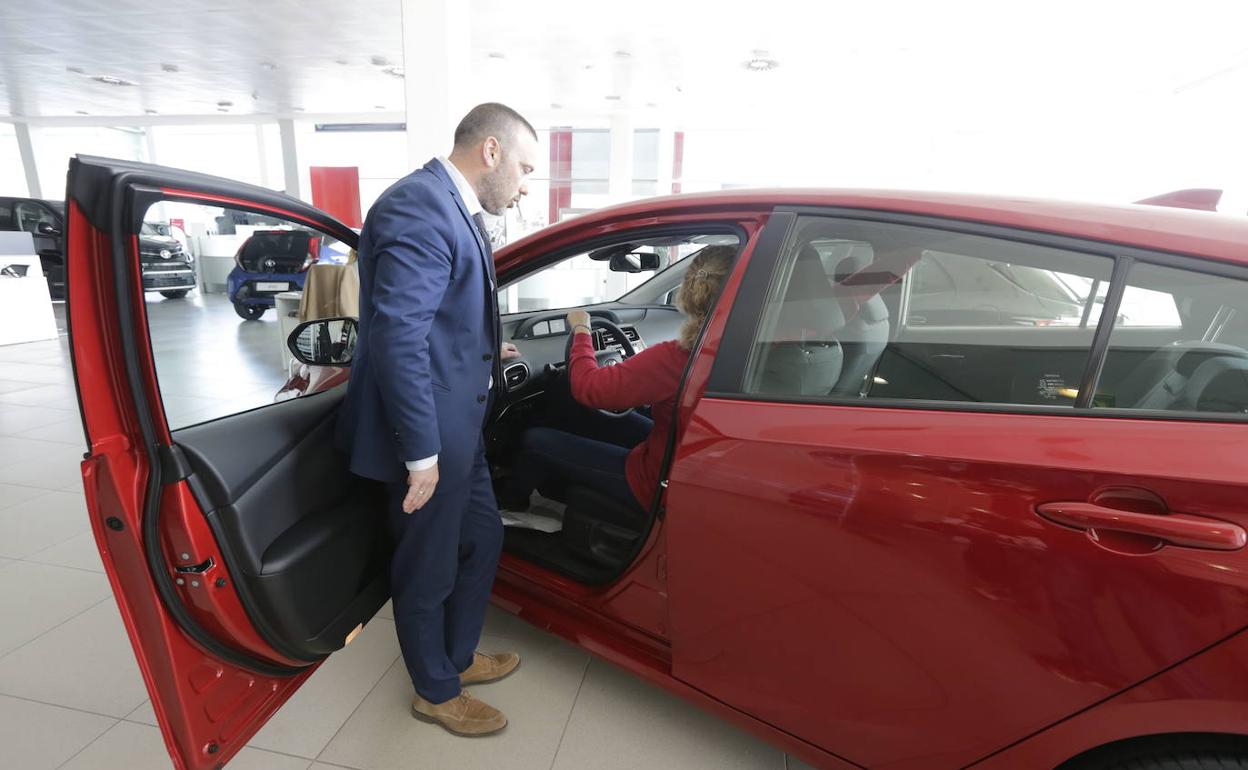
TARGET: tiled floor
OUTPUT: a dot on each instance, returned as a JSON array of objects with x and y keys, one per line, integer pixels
[{"x": 70, "y": 692}]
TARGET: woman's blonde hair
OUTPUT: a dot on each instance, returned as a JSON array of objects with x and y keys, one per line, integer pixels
[{"x": 703, "y": 280}]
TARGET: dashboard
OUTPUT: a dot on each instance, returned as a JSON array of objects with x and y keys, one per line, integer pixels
[{"x": 542, "y": 337}]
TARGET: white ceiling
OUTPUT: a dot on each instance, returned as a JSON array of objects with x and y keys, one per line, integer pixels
[{"x": 973, "y": 62}]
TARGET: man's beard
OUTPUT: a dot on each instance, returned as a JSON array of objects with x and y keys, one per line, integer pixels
[{"x": 493, "y": 193}]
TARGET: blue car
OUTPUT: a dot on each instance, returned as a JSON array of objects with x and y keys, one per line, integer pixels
[{"x": 273, "y": 261}]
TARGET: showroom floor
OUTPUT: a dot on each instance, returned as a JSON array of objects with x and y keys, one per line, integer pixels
[{"x": 70, "y": 691}]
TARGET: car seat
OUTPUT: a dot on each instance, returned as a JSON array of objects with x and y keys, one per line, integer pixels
[
  {"x": 804, "y": 356},
  {"x": 865, "y": 334}
]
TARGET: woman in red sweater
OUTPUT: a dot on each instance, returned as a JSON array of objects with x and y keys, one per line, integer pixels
[{"x": 629, "y": 474}]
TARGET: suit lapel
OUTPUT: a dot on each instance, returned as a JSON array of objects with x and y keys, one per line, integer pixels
[{"x": 435, "y": 166}]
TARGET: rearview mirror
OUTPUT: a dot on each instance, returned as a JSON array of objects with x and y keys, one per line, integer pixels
[
  {"x": 324, "y": 342},
  {"x": 634, "y": 262}
]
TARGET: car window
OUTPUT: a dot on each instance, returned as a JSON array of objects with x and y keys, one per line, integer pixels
[
  {"x": 924, "y": 314},
  {"x": 220, "y": 344},
  {"x": 1179, "y": 344},
  {"x": 30, "y": 214},
  {"x": 588, "y": 279}
]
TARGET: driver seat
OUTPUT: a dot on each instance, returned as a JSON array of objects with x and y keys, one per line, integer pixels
[{"x": 601, "y": 529}]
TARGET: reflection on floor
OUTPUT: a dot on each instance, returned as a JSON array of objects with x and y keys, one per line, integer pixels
[{"x": 70, "y": 691}]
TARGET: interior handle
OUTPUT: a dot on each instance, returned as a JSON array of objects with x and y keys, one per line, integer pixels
[{"x": 1176, "y": 529}]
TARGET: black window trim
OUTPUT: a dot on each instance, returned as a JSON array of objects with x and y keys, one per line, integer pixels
[{"x": 731, "y": 364}]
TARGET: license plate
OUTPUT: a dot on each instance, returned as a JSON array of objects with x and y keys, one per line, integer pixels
[{"x": 271, "y": 286}]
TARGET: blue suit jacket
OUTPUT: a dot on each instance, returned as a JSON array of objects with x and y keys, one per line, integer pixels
[{"x": 421, "y": 371}]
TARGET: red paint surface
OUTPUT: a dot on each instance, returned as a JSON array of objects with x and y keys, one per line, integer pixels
[{"x": 336, "y": 191}]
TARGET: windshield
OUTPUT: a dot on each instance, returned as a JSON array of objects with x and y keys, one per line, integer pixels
[{"x": 589, "y": 278}]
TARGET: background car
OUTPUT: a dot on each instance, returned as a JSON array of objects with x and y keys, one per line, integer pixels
[
  {"x": 273, "y": 261},
  {"x": 876, "y": 542},
  {"x": 166, "y": 267}
]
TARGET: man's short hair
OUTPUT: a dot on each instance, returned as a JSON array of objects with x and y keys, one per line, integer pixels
[{"x": 490, "y": 119}]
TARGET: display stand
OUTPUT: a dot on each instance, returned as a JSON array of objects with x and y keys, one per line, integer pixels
[{"x": 25, "y": 305}]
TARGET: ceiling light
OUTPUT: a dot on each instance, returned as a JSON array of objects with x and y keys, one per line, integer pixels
[
  {"x": 224, "y": 103},
  {"x": 170, "y": 68},
  {"x": 343, "y": 62},
  {"x": 380, "y": 61},
  {"x": 589, "y": 66},
  {"x": 82, "y": 112},
  {"x": 297, "y": 109},
  {"x": 651, "y": 105},
  {"x": 761, "y": 61},
  {"x": 268, "y": 65},
  {"x": 75, "y": 70},
  {"x": 113, "y": 80},
  {"x": 223, "y": 109},
  {"x": 150, "y": 111},
  {"x": 394, "y": 71},
  {"x": 496, "y": 55},
  {"x": 614, "y": 97},
  {"x": 623, "y": 55},
  {"x": 556, "y": 106},
  {"x": 379, "y": 107}
]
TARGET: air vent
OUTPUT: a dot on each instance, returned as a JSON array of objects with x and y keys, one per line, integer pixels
[
  {"x": 515, "y": 375},
  {"x": 631, "y": 333}
]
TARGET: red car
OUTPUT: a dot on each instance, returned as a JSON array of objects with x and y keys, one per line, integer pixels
[{"x": 888, "y": 538}]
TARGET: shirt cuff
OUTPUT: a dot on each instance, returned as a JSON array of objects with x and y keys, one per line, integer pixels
[{"x": 422, "y": 465}]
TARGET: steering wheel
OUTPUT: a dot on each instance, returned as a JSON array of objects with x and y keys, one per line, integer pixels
[{"x": 611, "y": 357}]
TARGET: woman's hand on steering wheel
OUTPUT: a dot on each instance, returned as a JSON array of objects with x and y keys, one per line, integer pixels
[{"x": 578, "y": 318}]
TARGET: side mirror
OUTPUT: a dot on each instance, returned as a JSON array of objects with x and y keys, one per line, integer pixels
[
  {"x": 324, "y": 342},
  {"x": 47, "y": 228},
  {"x": 634, "y": 262}
]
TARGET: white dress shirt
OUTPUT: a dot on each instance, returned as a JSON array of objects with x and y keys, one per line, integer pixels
[{"x": 473, "y": 204}]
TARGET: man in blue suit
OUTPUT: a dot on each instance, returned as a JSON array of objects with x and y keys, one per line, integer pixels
[{"x": 423, "y": 374}]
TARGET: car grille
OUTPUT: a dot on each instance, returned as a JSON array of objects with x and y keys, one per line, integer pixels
[{"x": 164, "y": 266}]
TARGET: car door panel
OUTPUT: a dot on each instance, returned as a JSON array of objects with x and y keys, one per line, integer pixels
[
  {"x": 237, "y": 557},
  {"x": 887, "y": 580}
]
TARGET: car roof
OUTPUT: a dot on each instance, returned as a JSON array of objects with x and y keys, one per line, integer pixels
[{"x": 1200, "y": 233}]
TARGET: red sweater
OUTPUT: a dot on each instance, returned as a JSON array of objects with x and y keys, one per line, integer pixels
[{"x": 650, "y": 377}]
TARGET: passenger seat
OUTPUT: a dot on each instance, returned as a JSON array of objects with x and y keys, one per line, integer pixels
[
  {"x": 865, "y": 334},
  {"x": 804, "y": 357}
]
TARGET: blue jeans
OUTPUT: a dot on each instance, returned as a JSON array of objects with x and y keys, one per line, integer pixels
[{"x": 553, "y": 459}]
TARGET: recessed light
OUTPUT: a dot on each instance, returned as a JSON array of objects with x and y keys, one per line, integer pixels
[
  {"x": 150, "y": 111},
  {"x": 380, "y": 61},
  {"x": 343, "y": 62},
  {"x": 82, "y": 112},
  {"x": 76, "y": 70},
  {"x": 223, "y": 109},
  {"x": 614, "y": 97},
  {"x": 497, "y": 55},
  {"x": 225, "y": 103},
  {"x": 379, "y": 107},
  {"x": 761, "y": 61},
  {"x": 556, "y": 106},
  {"x": 651, "y": 105},
  {"x": 113, "y": 80},
  {"x": 170, "y": 68},
  {"x": 623, "y": 55},
  {"x": 394, "y": 71},
  {"x": 268, "y": 65},
  {"x": 297, "y": 109},
  {"x": 589, "y": 66}
]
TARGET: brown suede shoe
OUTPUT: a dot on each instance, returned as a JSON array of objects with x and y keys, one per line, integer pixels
[
  {"x": 489, "y": 668},
  {"x": 462, "y": 715}
]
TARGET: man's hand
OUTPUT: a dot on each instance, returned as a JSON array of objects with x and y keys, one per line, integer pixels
[
  {"x": 420, "y": 486},
  {"x": 508, "y": 351},
  {"x": 577, "y": 318}
]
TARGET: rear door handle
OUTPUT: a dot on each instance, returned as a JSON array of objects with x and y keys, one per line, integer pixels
[{"x": 1175, "y": 528}]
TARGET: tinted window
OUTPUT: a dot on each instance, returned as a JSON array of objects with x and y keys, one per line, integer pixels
[{"x": 924, "y": 314}]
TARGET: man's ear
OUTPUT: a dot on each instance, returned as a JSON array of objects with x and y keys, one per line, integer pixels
[{"x": 491, "y": 152}]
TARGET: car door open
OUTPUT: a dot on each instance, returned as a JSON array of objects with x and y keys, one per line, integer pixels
[{"x": 239, "y": 547}]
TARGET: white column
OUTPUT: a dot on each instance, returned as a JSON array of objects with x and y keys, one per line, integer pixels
[
  {"x": 667, "y": 140},
  {"x": 437, "y": 62},
  {"x": 290, "y": 158},
  {"x": 262, "y": 155},
  {"x": 149, "y": 143},
  {"x": 27, "y": 151},
  {"x": 620, "y": 185}
]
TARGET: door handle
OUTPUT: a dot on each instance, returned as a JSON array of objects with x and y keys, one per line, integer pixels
[{"x": 1176, "y": 528}]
